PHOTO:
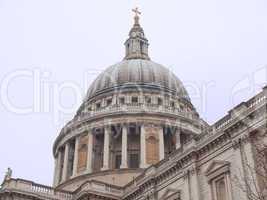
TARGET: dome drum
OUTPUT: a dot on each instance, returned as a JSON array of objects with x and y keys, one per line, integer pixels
[
  {"x": 136, "y": 102},
  {"x": 118, "y": 146}
]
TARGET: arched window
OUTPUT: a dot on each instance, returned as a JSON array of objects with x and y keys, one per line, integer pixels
[
  {"x": 152, "y": 150},
  {"x": 82, "y": 153}
]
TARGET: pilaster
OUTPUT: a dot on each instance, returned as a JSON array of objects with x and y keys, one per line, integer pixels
[
  {"x": 76, "y": 155},
  {"x": 106, "y": 148},
  {"x": 178, "y": 138},
  {"x": 143, "y": 163},
  {"x": 124, "y": 145},
  {"x": 89, "y": 166},
  {"x": 161, "y": 143},
  {"x": 57, "y": 168}
]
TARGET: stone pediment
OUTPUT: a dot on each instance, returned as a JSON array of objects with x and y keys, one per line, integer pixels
[
  {"x": 171, "y": 194},
  {"x": 216, "y": 164},
  {"x": 216, "y": 168}
]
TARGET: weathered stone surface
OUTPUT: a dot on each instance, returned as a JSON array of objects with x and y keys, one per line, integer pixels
[{"x": 129, "y": 111}]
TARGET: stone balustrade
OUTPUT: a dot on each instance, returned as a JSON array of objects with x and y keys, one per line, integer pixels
[
  {"x": 251, "y": 104},
  {"x": 137, "y": 108},
  {"x": 107, "y": 189},
  {"x": 25, "y": 186},
  {"x": 238, "y": 113}
]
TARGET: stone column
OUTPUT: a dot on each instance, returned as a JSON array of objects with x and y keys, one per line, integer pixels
[
  {"x": 248, "y": 163},
  {"x": 142, "y": 98},
  {"x": 114, "y": 100},
  {"x": 106, "y": 149},
  {"x": 89, "y": 166},
  {"x": 103, "y": 103},
  {"x": 194, "y": 183},
  {"x": 178, "y": 138},
  {"x": 229, "y": 187},
  {"x": 154, "y": 99},
  {"x": 161, "y": 144},
  {"x": 124, "y": 145},
  {"x": 127, "y": 99},
  {"x": 57, "y": 168},
  {"x": 186, "y": 185},
  {"x": 76, "y": 156},
  {"x": 66, "y": 162},
  {"x": 143, "y": 147},
  {"x": 55, "y": 172},
  {"x": 55, "y": 179}
]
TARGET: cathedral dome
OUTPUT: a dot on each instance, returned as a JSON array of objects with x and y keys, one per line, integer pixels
[
  {"x": 136, "y": 113},
  {"x": 138, "y": 73}
]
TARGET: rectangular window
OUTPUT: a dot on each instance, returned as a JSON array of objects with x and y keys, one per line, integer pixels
[
  {"x": 133, "y": 161},
  {"x": 109, "y": 102},
  {"x": 98, "y": 105},
  {"x": 220, "y": 187},
  {"x": 122, "y": 100},
  {"x": 147, "y": 99},
  {"x": 160, "y": 102},
  {"x": 134, "y": 99}
]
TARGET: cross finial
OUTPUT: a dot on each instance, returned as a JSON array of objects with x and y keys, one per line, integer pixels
[{"x": 136, "y": 11}]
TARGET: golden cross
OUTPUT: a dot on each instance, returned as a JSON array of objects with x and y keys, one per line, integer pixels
[{"x": 136, "y": 11}]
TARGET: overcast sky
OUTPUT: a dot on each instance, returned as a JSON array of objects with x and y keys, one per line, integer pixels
[{"x": 51, "y": 50}]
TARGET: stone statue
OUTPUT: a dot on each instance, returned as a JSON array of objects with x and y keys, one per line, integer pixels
[{"x": 8, "y": 174}]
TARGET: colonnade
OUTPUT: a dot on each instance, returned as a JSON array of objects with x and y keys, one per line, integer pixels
[{"x": 66, "y": 164}]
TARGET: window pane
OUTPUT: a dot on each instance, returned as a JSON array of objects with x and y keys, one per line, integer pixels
[
  {"x": 109, "y": 101},
  {"x": 122, "y": 100},
  {"x": 159, "y": 101},
  {"x": 118, "y": 161},
  {"x": 134, "y": 99},
  {"x": 152, "y": 150},
  {"x": 134, "y": 161},
  {"x": 221, "y": 189}
]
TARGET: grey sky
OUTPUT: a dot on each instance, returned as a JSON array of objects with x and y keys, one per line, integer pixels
[{"x": 218, "y": 46}]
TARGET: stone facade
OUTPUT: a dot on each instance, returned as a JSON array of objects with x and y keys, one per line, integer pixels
[{"x": 137, "y": 136}]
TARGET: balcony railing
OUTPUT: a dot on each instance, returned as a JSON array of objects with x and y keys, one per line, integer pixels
[
  {"x": 137, "y": 108},
  {"x": 110, "y": 190},
  {"x": 251, "y": 104}
]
